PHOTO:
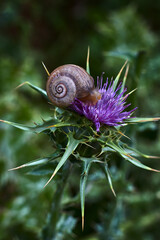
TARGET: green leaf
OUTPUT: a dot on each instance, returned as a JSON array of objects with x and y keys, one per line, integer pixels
[
  {"x": 37, "y": 128},
  {"x": 83, "y": 180},
  {"x": 108, "y": 176},
  {"x": 135, "y": 152},
  {"x": 38, "y": 161},
  {"x": 137, "y": 163},
  {"x": 31, "y": 164},
  {"x": 108, "y": 149},
  {"x": 141, "y": 120},
  {"x": 128, "y": 157},
  {"x": 50, "y": 124},
  {"x": 64, "y": 124},
  {"x": 17, "y": 125},
  {"x": 71, "y": 146},
  {"x": 38, "y": 89}
]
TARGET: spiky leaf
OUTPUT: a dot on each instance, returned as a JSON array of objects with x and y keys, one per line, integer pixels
[
  {"x": 38, "y": 162},
  {"x": 83, "y": 180},
  {"x": 71, "y": 146},
  {"x": 108, "y": 176},
  {"x": 37, "y": 89},
  {"x": 128, "y": 157},
  {"x": 141, "y": 120},
  {"x": 51, "y": 124}
]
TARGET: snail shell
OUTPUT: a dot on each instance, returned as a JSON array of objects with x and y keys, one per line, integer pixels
[{"x": 68, "y": 82}]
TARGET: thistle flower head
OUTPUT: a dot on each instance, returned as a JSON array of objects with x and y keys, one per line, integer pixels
[{"x": 110, "y": 109}]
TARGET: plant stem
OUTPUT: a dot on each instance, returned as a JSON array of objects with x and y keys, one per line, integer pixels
[{"x": 49, "y": 231}]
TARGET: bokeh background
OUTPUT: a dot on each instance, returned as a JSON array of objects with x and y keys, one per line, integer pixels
[{"x": 59, "y": 32}]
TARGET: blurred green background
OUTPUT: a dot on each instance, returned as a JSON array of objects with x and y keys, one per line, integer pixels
[{"x": 59, "y": 32}]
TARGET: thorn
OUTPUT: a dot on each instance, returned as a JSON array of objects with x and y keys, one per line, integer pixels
[
  {"x": 52, "y": 126},
  {"x": 87, "y": 62},
  {"x": 49, "y": 179},
  {"x": 126, "y": 72},
  {"x": 2, "y": 121},
  {"x": 122, "y": 69},
  {"x": 82, "y": 223},
  {"x": 124, "y": 79},
  {"x": 150, "y": 120},
  {"x": 153, "y": 156},
  {"x": 46, "y": 69},
  {"x": 98, "y": 161},
  {"x": 88, "y": 144},
  {"x": 43, "y": 119},
  {"x": 128, "y": 155},
  {"x": 16, "y": 168},
  {"x": 132, "y": 91},
  {"x": 123, "y": 134},
  {"x": 114, "y": 85},
  {"x": 21, "y": 85},
  {"x": 113, "y": 192},
  {"x": 129, "y": 94},
  {"x": 88, "y": 54}
]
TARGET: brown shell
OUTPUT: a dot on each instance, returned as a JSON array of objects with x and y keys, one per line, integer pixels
[{"x": 71, "y": 81}]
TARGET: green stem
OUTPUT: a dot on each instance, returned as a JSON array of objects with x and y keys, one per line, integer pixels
[{"x": 49, "y": 231}]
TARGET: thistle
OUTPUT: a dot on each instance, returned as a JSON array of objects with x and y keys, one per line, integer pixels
[{"x": 75, "y": 132}]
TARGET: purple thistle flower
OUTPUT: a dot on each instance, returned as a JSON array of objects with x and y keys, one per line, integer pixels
[{"x": 109, "y": 109}]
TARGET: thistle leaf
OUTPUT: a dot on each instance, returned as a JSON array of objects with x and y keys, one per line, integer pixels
[
  {"x": 141, "y": 120},
  {"x": 134, "y": 152},
  {"x": 50, "y": 124},
  {"x": 38, "y": 89},
  {"x": 71, "y": 146},
  {"x": 128, "y": 157},
  {"x": 108, "y": 149},
  {"x": 30, "y": 164},
  {"x": 38, "y": 128},
  {"x": 38, "y": 161},
  {"x": 17, "y": 125},
  {"x": 83, "y": 181},
  {"x": 138, "y": 163},
  {"x": 108, "y": 176},
  {"x": 64, "y": 124}
]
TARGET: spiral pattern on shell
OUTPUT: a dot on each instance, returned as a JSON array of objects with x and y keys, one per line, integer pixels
[
  {"x": 68, "y": 82},
  {"x": 59, "y": 90}
]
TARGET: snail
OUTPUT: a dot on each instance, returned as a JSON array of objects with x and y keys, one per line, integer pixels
[{"x": 68, "y": 82}]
